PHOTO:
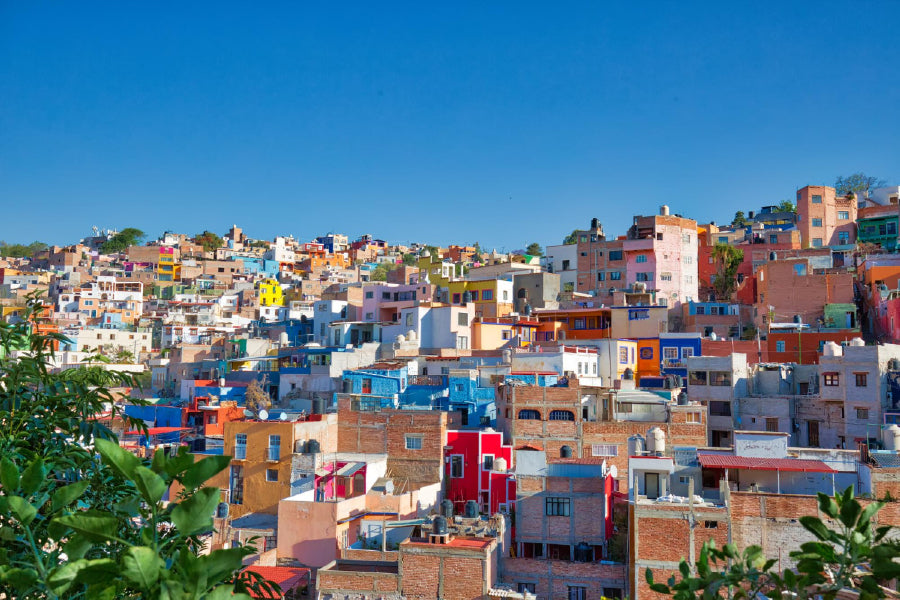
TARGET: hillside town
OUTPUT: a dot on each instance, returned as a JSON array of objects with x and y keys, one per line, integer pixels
[{"x": 416, "y": 421}]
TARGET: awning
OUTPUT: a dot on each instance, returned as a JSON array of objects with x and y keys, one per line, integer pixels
[
  {"x": 349, "y": 469},
  {"x": 720, "y": 461}
]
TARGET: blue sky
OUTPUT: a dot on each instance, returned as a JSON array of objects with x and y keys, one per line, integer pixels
[{"x": 503, "y": 124}]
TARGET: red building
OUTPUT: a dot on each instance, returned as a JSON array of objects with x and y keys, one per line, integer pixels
[{"x": 474, "y": 467}]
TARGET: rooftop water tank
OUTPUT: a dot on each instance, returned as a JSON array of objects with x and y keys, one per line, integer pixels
[
  {"x": 439, "y": 526},
  {"x": 471, "y": 510},
  {"x": 894, "y": 364},
  {"x": 313, "y": 447},
  {"x": 447, "y": 509},
  {"x": 656, "y": 441},
  {"x": 500, "y": 465},
  {"x": 857, "y": 342},
  {"x": 636, "y": 445},
  {"x": 890, "y": 435},
  {"x": 664, "y": 210}
]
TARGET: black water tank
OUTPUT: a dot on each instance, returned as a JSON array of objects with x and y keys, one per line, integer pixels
[
  {"x": 471, "y": 511},
  {"x": 595, "y": 223},
  {"x": 528, "y": 310},
  {"x": 628, "y": 374},
  {"x": 565, "y": 452},
  {"x": 467, "y": 297},
  {"x": 447, "y": 509},
  {"x": 439, "y": 526},
  {"x": 313, "y": 447},
  {"x": 347, "y": 386},
  {"x": 583, "y": 552}
]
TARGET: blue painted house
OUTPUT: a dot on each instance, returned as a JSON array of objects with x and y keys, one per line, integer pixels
[
  {"x": 675, "y": 349},
  {"x": 382, "y": 383}
]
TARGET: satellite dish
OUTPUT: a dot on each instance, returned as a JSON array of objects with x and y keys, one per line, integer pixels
[
  {"x": 263, "y": 414},
  {"x": 614, "y": 471},
  {"x": 248, "y": 413},
  {"x": 603, "y": 467},
  {"x": 283, "y": 417}
]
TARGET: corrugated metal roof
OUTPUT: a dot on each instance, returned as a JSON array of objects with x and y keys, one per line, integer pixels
[
  {"x": 886, "y": 460},
  {"x": 720, "y": 461}
]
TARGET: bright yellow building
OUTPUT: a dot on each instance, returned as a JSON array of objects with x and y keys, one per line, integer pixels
[
  {"x": 269, "y": 293},
  {"x": 492, "y": 297}
]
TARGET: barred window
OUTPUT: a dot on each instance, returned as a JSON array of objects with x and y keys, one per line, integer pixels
[
  {"x": 557, "y": 507},
  {"x": 561, "y": 415}
]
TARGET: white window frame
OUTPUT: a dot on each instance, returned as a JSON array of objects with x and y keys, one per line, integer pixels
[
  {"x": 604, "y": 450},
  {"x": 408, "y": 438}
]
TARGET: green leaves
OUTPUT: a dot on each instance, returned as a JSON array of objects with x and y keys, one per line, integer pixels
[
  {"x": 21, "y": 508},
  {"x": 122, "y": 461},
  {"x": 142, "y": 566},
  {"x": 195, "y": 514},
  {"x": 151, "y": 485},
  {"x": 9, "y": 475},
  {"x": 93, "y": 524},
  {"x": 201, "y": 471},
  {"x": 68, "y": 494}
]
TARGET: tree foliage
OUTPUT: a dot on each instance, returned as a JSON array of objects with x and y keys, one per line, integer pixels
[
  {"x": 572, "y": 238},
  {"x": 209, "y": 240},
  {"x": 81, "y": 517},
  {"x": 21, "y": 250},
  {"x": 534, "y": 249},
  {"x": 854, "y": 555},
  {"x": 380, "y": 272},
  {"x": 739, "y": 220},
  {"x": 120, "y": 242},
  {"x": 786, "y": 206},
  {"x": 856, "y": 183},
  {"x": 727, "y": 259}
]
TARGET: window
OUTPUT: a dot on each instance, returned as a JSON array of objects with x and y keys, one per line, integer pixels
[
  {"x": 641, "y": 258},
  {"x": 688, "y": 260},
  {"x": 456, "y": 298},
  {"x": 240, "y": 446},
  {"x": 638, "y": 314},
  {"x": 817, "y": 222},
  {"x": 686, "y": 238},
  {"x": 456, "y": 466},
  {"x": 644, "y": 276},
  {"x": 601, "y": 276},
  {"x": 463, "y": 319},
  {"x": 771, "y": 424},
  {"x": 274, "y": 447},
  {"x": 487, "y": 295},
  {"x": 817, "y": 242},
  {"x": 213, "y": 419},
  {"x": 701, "y": 310},
  {"x": 562, "y": 415},
  {"x": 565, "y": 265},
  {"x": 720, "y": 378},
  {"x": 604, "y": 450},
  {"x": 409, "y": 319},
  {"x": 623, "y": 356},
  {"x": 862, "y": 414},
  {"x": 488, "y": 462},
  {"x": 615, "y": 276},
  {"x": 528, "y": 414},
  {"x": 236, "y": 484},
  {"x": 892, "y": 228},
  {"x": 665, "y": 276},
  {"x": 523, "y": 587},
  {"x": 271, "y": 474},
  {"x": 779, "y": 346},
  {"x": 505, "y": 295},
  {"x": 816, "y": 199},
  {"x": 670, "y": 353},
  {"x": 718, "y": 408},
  {"x": 831, "y": 379},
  {"x": 370, "y": 294},
  {"x": 687, "y": 353},
  {"x": 367, "y": 385},
  {"x": 693, "y": 417},
  {"x": 615, "y": 255},
  {"x": 474, "y": 295},
  {"x": 557, "y": 507},
  {"x": 577, "y": 592},
  {"x": 506, "y": 334},
  {"x": 370, "y": 316},
  {"x": 844, "y": 237},
  {"x": 843, "y": 215},
  {"x": 861, "y": 379},
  {"x": 710, "y": 524},
  {"x": 413, "y": 442}
]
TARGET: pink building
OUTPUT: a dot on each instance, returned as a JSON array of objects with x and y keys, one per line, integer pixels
[
  {"x": 382, "y": 302},
  {"x": 475, "y": 470},
  {"x": 824, "y": 219}
]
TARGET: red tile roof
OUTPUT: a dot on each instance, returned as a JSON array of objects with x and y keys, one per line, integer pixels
[
  {"x": 286, "y": 577},
  {"x": 719, "y": 461}
]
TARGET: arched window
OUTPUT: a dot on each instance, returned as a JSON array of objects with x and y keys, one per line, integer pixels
[
  {"x": 529, "y": 414},
  {"x": 561, "y": 415},
  {"x": 565, "y": 452}
]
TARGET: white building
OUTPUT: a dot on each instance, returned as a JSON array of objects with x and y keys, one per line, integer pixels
[{"x": 563, "y": 260}]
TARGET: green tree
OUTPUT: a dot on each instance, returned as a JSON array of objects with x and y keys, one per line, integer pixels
[
  {"x": 209, "y": 240},
  {"x": 75, "y": 526},
  {"x": 854, "y": 556},
  {"x": 572, "y": 238},
  {"x": 739, "y": 220},
  {"x": 21, "y": 250},
  {"x": 856, "y": 183},
  {"x": 786, "y": 206},
  {"x": 120, "y": 242},
  {"x": 410, "y": 259},
  {"x": 534, "y": 249},
  {"x": 727, "y": 260},
  {"x": 380, "y": 272}
]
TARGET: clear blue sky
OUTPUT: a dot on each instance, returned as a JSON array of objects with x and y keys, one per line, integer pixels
[{"x": 502, "y": 124}]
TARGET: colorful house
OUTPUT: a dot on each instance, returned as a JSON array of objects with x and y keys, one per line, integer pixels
[
  {"x": 168, "y": 268},
  {"x": 492, "y": 298},
  {"x": 477, "y": 467},
  {"x": 269, "y": 293},
  {"x": 675, "y": 349}
]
